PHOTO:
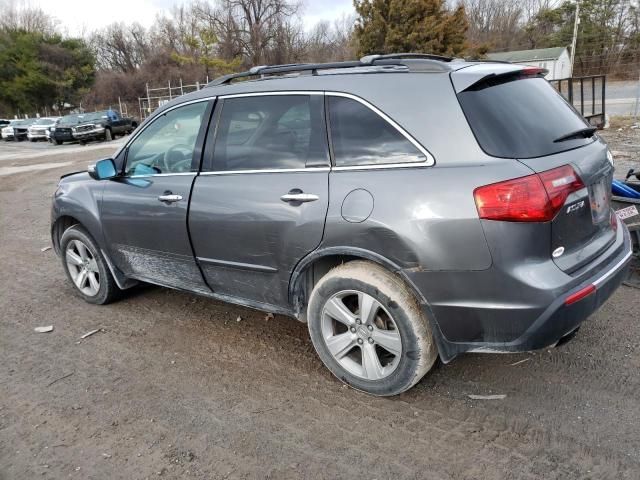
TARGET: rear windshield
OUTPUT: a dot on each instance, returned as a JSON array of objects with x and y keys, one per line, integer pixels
[{"x": 520, "y": 117}]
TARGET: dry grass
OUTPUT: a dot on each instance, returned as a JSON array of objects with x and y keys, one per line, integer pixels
[{"x": 621, "y": 121}]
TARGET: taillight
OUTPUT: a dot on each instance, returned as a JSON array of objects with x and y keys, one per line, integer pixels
[
  {"x": 559, "y": 183},
  {"x": 534, "y": 198},
  {"x": 533, "y": 71}
]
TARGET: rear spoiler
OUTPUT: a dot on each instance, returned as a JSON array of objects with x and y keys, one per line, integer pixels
[{"x": 467, "y": 77}]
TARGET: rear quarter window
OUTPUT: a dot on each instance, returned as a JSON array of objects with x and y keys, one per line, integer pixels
[
  {"x": 362, "y": 137},
  {"x": 520, "y": 117}
]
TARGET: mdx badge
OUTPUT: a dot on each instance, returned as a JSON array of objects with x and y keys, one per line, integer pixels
[{"x": 575, "y": 206}]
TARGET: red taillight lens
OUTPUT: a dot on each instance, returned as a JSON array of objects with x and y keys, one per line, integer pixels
[
  {"x": 534, "y": 198},
  {"x": 559, "y": 183},
  {"x": 533, "y": 71}
]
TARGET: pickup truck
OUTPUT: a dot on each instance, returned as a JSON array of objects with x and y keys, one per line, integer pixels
[
  {"x": 102, "y": 125},
  {"x": 17, "y": 129}
]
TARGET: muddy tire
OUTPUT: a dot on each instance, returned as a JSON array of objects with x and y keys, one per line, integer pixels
[
  {"x": 108, "y": 135},
  {"x": 86, "y": 268},
  {"x": 369, "y": 330}
]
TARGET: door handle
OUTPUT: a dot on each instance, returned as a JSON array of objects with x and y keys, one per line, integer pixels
[
  {"x": 169, "y": 197},
  {"x": 299, "y": 197}
]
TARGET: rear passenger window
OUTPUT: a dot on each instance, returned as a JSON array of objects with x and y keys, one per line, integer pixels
[
  {"x": 271, "y": 132},
  {"x": 362, "y": 137}
]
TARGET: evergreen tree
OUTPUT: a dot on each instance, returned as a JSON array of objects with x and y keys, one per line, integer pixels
[
  {"x": 39, "y": 71},
  {"x": 426, "y": 26}
]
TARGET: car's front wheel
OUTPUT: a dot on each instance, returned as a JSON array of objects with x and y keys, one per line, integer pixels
[
  {"x": 369, "y": 329},
  {"x": 86, "y": 268}
]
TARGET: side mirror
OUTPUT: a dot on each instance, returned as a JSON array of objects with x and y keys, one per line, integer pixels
[{"x": 103, "y": 169}]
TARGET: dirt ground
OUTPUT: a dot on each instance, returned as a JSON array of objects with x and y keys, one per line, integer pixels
[{"x": 173, "y": 386}]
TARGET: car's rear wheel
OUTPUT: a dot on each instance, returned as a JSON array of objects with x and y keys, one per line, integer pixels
[
  {"x": 86, "y": 268},
  {"x": 369, "y": 330}
]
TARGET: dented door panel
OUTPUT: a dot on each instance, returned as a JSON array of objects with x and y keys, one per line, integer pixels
[
  {"x": 247, "y": 240},
  {"x": 148, "y": 238}
]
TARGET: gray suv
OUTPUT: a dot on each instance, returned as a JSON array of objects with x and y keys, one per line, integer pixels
[{"x": 404, "y": 206}]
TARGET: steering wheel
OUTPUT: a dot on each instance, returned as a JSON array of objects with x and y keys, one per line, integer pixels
[{"x": 167, "y": 167}]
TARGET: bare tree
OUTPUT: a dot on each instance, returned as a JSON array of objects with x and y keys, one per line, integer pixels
[
  {"x": 19, "y": 15},
  {"x": 259, "y": 23},
  {"x": 495, "y": 23},
  {"x": 331, "y": 42},
  {"x": 121, "y": 47}
]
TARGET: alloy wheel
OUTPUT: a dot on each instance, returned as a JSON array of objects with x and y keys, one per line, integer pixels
[
  {"x": 83, "y": 268},
  {"x": 361, "y": 335}
]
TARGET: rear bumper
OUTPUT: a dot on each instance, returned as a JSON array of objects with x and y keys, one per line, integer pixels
[
  {"x": 491, "y": 311},
  {"x": 560, "y": 319}
]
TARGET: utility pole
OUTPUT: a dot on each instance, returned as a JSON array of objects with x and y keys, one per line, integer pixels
[
  {"x": 575, "y": 35},
  {"x": 637, "y": 108}
]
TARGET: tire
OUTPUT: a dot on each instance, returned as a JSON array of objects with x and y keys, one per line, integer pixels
[
  {"x": 74, "y": 260},
  {"x": 397, "y": 324},
  {"x": 58, "y": 142},
  {"x": 107, "y": 135}
]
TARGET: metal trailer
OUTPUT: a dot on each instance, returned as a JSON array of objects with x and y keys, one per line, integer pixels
[{"x": 628, "y": 210}]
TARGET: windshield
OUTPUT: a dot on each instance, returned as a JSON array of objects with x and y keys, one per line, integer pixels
[
  {"x": 69, "y": 120},
  {"x": 516, "y": 117},
  {"x": 45, "y": 121},
  {"x": 19, "y": 123},
  {"x": 91, "y": 117}
]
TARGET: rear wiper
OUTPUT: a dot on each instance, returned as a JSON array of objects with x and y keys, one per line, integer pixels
[{"x": 582, "y": 133}]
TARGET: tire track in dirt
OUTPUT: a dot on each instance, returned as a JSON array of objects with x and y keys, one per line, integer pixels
[{"x": 250, "y": 399}]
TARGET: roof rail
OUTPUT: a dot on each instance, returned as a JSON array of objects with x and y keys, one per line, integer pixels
[
  {"x": 367, "y": 61},
  {"x": 370, "y": 59}
]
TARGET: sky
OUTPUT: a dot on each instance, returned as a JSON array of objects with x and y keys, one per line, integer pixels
[{"x": 79, "y": 17}]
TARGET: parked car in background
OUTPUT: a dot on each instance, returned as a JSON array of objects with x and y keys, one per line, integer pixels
[
  {"x": 17, "y": 129},
  {"x": 3, "y": 123},
  {"x": 404, "y": 206},
  {"x": 103, "y": 125},
  {"x": 61, "y": 131},
  {"x": 40, "y": 128}
]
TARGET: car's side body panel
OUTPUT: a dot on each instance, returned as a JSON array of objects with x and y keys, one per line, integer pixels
[
  {"x": 78, "y": 197},
  {"x": 247, "y": 240}
]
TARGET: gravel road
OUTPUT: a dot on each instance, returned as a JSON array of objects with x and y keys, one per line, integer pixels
[{"x": 174, "y": 386}]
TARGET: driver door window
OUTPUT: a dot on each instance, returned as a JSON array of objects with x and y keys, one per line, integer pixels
[{"x": 167, "y": 145}]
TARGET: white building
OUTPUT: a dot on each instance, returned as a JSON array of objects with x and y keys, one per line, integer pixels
[{"x": 556, "y": 60}]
